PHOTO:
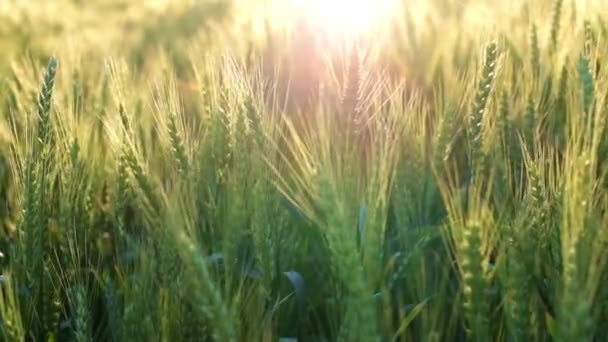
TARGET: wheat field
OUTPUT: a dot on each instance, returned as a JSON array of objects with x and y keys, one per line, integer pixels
[{"x": 248, "y": 170}]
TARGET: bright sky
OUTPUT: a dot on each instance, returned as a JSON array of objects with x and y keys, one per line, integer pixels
[{"x": 347, "y": 16}]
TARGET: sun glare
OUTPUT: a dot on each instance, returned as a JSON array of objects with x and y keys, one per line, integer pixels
[{"x": 347, "y": 16}]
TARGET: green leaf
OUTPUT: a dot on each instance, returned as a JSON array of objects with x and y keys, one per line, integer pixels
[{"x": 407, "y": 320}]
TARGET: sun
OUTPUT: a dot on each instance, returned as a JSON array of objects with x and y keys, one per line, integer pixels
[{"x": 347, "y": 16}]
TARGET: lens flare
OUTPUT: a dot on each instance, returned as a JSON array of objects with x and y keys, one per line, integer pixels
[{"x": 347, "y": 16}]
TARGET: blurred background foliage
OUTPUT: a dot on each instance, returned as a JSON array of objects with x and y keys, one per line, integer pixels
[{"x": 233, "y": 170}]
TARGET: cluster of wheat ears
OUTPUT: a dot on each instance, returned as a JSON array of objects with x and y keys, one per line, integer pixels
[{"x": 445, "y": 184}]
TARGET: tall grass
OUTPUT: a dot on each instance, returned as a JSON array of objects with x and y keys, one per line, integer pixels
[{"x": 444, "y": 179}]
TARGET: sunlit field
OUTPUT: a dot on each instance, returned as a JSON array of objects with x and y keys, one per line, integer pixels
[{"x": 304, "y": 170}]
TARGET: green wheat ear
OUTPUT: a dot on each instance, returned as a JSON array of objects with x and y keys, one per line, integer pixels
[
  {"x": 479, "y": 106},
  {"x": 82, "y": 317},
  {"x": 13, "y": 327},
  {"x": 555, "y": 23},
  {"x": 124, "y": 120},
  {"x": 503, "y": 120},
  {"x": 521, "y": 256},
  {"x": 535, "y": 54},
  {"x": 589, "y": 38},
  {"x": 474, "y": 283},
  {"x": 123, "y": 193},
  {"x": 444, "y": 139},
  {"x": 45, "y": 100},
  {"x": 587, "y": 83},
  {"x": 559, "y": 118},
  {"x": 509, "y": 156},
  {"x": 352, "y": 98},
  {"x": 145, "y": 183},
  {"x": 575, "y": 318},
  {"x": 177, "y": 144},
  {"x": 563, "y": 85},
  {"x": 518, "y": 292}
]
